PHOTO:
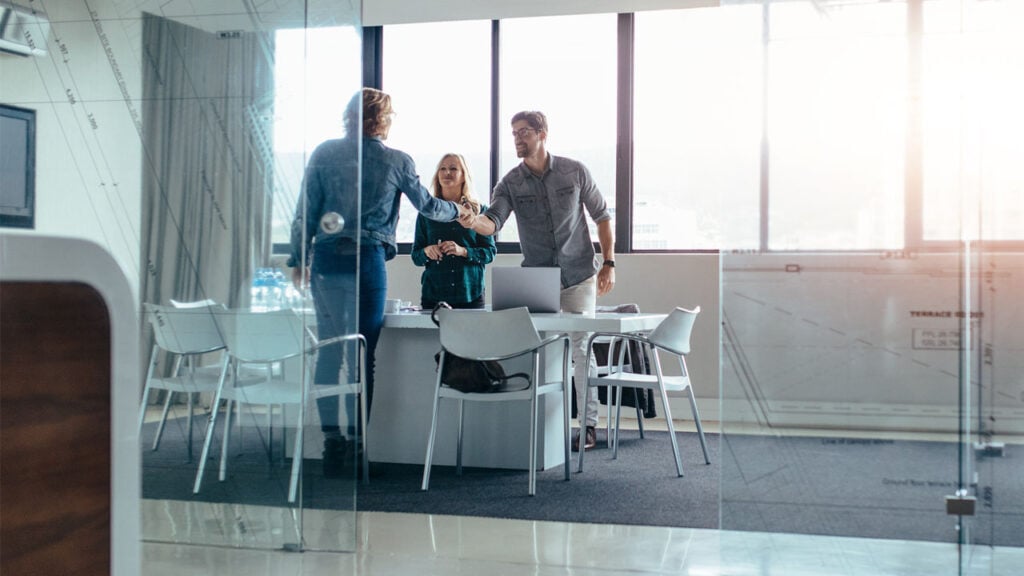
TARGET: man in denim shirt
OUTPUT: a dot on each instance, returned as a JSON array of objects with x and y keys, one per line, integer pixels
[{"x": 549, "y": 195}]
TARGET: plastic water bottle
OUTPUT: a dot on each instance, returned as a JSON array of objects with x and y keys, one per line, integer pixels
[
  {"x": 260, "y": 290},
  {"x": 292, "y": 297},
  {"x": 278, "y": 287}
]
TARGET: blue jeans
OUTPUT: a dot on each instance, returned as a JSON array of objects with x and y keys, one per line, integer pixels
[{"x": 343, "y": 301}]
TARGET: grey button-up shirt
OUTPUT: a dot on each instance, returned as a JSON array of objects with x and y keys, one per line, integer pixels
[{"x": 550, "y": 216}]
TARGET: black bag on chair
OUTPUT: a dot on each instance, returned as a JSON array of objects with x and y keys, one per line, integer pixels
[{"x": 470, "y": 375}]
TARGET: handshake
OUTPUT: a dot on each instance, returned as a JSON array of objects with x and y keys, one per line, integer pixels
[{"x": 468, "y": 212}]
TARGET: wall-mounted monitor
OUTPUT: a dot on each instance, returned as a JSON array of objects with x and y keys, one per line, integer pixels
[{"x": 17, "y": 167}]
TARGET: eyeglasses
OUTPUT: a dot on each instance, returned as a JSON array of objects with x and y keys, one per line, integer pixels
[{"x": 522, "y": 132}]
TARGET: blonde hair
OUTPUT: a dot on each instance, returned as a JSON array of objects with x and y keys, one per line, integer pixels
[
  {"x": 376, "y": 110},
  {"x": 467, "y": 181}
]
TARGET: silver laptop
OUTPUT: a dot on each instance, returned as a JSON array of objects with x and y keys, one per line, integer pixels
[{"x": 539, "y": 289}]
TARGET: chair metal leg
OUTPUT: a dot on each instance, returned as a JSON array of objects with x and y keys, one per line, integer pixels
[
  {"x": 224, "y": 444},
  {"x": 297, "y": 452},
  {"x": 142, "y": 409},
  {"x": 163, "y": 419},
  {"x": 533, "y": 426},
  {"x": 147, "y": 388},
  {"x": 639, "y": 414},
  {"x": 209, "y": 431},
  {"x": 609, "y": 397},
  {"x": 190, "y": 403},
  {"x": 176, "y": 371},
  {"x": 618, "y": 420},
  {"x": 641, "y": 369},
  {"x": 579, "y": 459},
  {"x": 429, "y": 459},
  {"x": 671, "y": 427},
  {"x": 270, "y": 433},
  {"x": 566, "y": 408},
  {"x": 700, "y": 429},
  {"x": 458, "y": 442}
]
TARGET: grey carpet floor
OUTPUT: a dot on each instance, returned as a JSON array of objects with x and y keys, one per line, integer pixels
[{"x": 890, "y": 489}]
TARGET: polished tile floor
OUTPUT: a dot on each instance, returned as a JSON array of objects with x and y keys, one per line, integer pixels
[
  {"x": 389, "y": 544},
  {"x": 199, "y": 539}
]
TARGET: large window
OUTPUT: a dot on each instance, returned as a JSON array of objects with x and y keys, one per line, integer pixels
[
  {"x": 837, "y": 94},
  {"x": 308, "y": 106},
  {"x": 697, "y": 129},
  {"x": 439, "y": 79},
  {"x": 780, "y": 126},
  {"x": 564, "y": 67},
  {"x": 973, "y": 78}
]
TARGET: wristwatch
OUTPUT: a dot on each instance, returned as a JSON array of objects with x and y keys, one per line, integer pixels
[{"x": 609, "y": 263}]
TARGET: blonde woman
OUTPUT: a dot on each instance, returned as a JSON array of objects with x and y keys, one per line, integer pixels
[{"x": 453, "y": 257}]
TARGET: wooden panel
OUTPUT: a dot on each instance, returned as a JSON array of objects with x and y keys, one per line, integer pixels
[{"x": 55, "y": 420}]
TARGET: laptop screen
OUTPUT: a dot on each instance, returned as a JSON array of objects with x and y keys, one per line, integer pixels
[{"x": 539, "y": 289}]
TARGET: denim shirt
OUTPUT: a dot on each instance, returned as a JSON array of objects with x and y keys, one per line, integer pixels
[
  {"x": 550, "y": 215},
  {"x": 330, "y": 185}
]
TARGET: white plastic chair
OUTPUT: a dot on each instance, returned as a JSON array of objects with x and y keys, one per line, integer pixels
[
  {"x": 621, "y": 349},
  {"x": 247, "y": 371},
  {"x": 186, "y": 335},
  {"x": 194, "y": 303},
  {"x": 500, "y": 335},
  {"x": 671, "y": 338},
  {"x": 267, "y": 338}
]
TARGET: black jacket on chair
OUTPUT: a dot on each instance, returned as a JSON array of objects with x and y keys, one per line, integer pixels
[{"x": 637, "y": 361}]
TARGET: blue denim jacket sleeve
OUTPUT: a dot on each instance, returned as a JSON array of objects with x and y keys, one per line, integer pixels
[{"x": 421, "y": 199}]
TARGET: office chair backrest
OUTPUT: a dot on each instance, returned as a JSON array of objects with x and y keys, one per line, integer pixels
[
  {"x": 479, "y": 334},
  {"x": 194, "y": 304},
  {"x": 673, "y": 333},
  {"x": 262, "y": 336},
  {"x": 185, "y": 330}
]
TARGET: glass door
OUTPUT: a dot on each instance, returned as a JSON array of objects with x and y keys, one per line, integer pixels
[
  {"x": 971, "y": 60},
  {"x": 870, "y": 374},
  {"x": 230, "y": 107},
  {"x": 175, "y": 135}
]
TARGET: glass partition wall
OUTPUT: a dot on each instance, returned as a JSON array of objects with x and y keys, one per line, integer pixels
[
  {"x": 175, "y": 134},
  {"x": 235, "y": 98},
  {"x": 871, "y": 376}
]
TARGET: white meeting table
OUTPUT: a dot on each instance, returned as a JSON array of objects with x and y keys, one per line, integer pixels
[{"x": 495, "y": 434}]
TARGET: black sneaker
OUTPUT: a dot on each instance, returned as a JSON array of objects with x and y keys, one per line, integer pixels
[{"x": 336, "y": 452}]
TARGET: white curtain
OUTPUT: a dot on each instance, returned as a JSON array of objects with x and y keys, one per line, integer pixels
[{"x": 207, "y": 180}]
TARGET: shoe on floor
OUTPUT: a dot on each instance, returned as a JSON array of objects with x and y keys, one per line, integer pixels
[
  {"x": 336, "y": 453},
  {"x": 590, "y": 439}
]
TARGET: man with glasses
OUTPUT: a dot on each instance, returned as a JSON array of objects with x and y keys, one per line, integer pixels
[{"x": 549, "y": 195}]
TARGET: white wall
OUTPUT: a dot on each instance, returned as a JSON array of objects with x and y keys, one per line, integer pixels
[
  {"x": 88, "y": 156},
  {"x": 846, "y": 341}
]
